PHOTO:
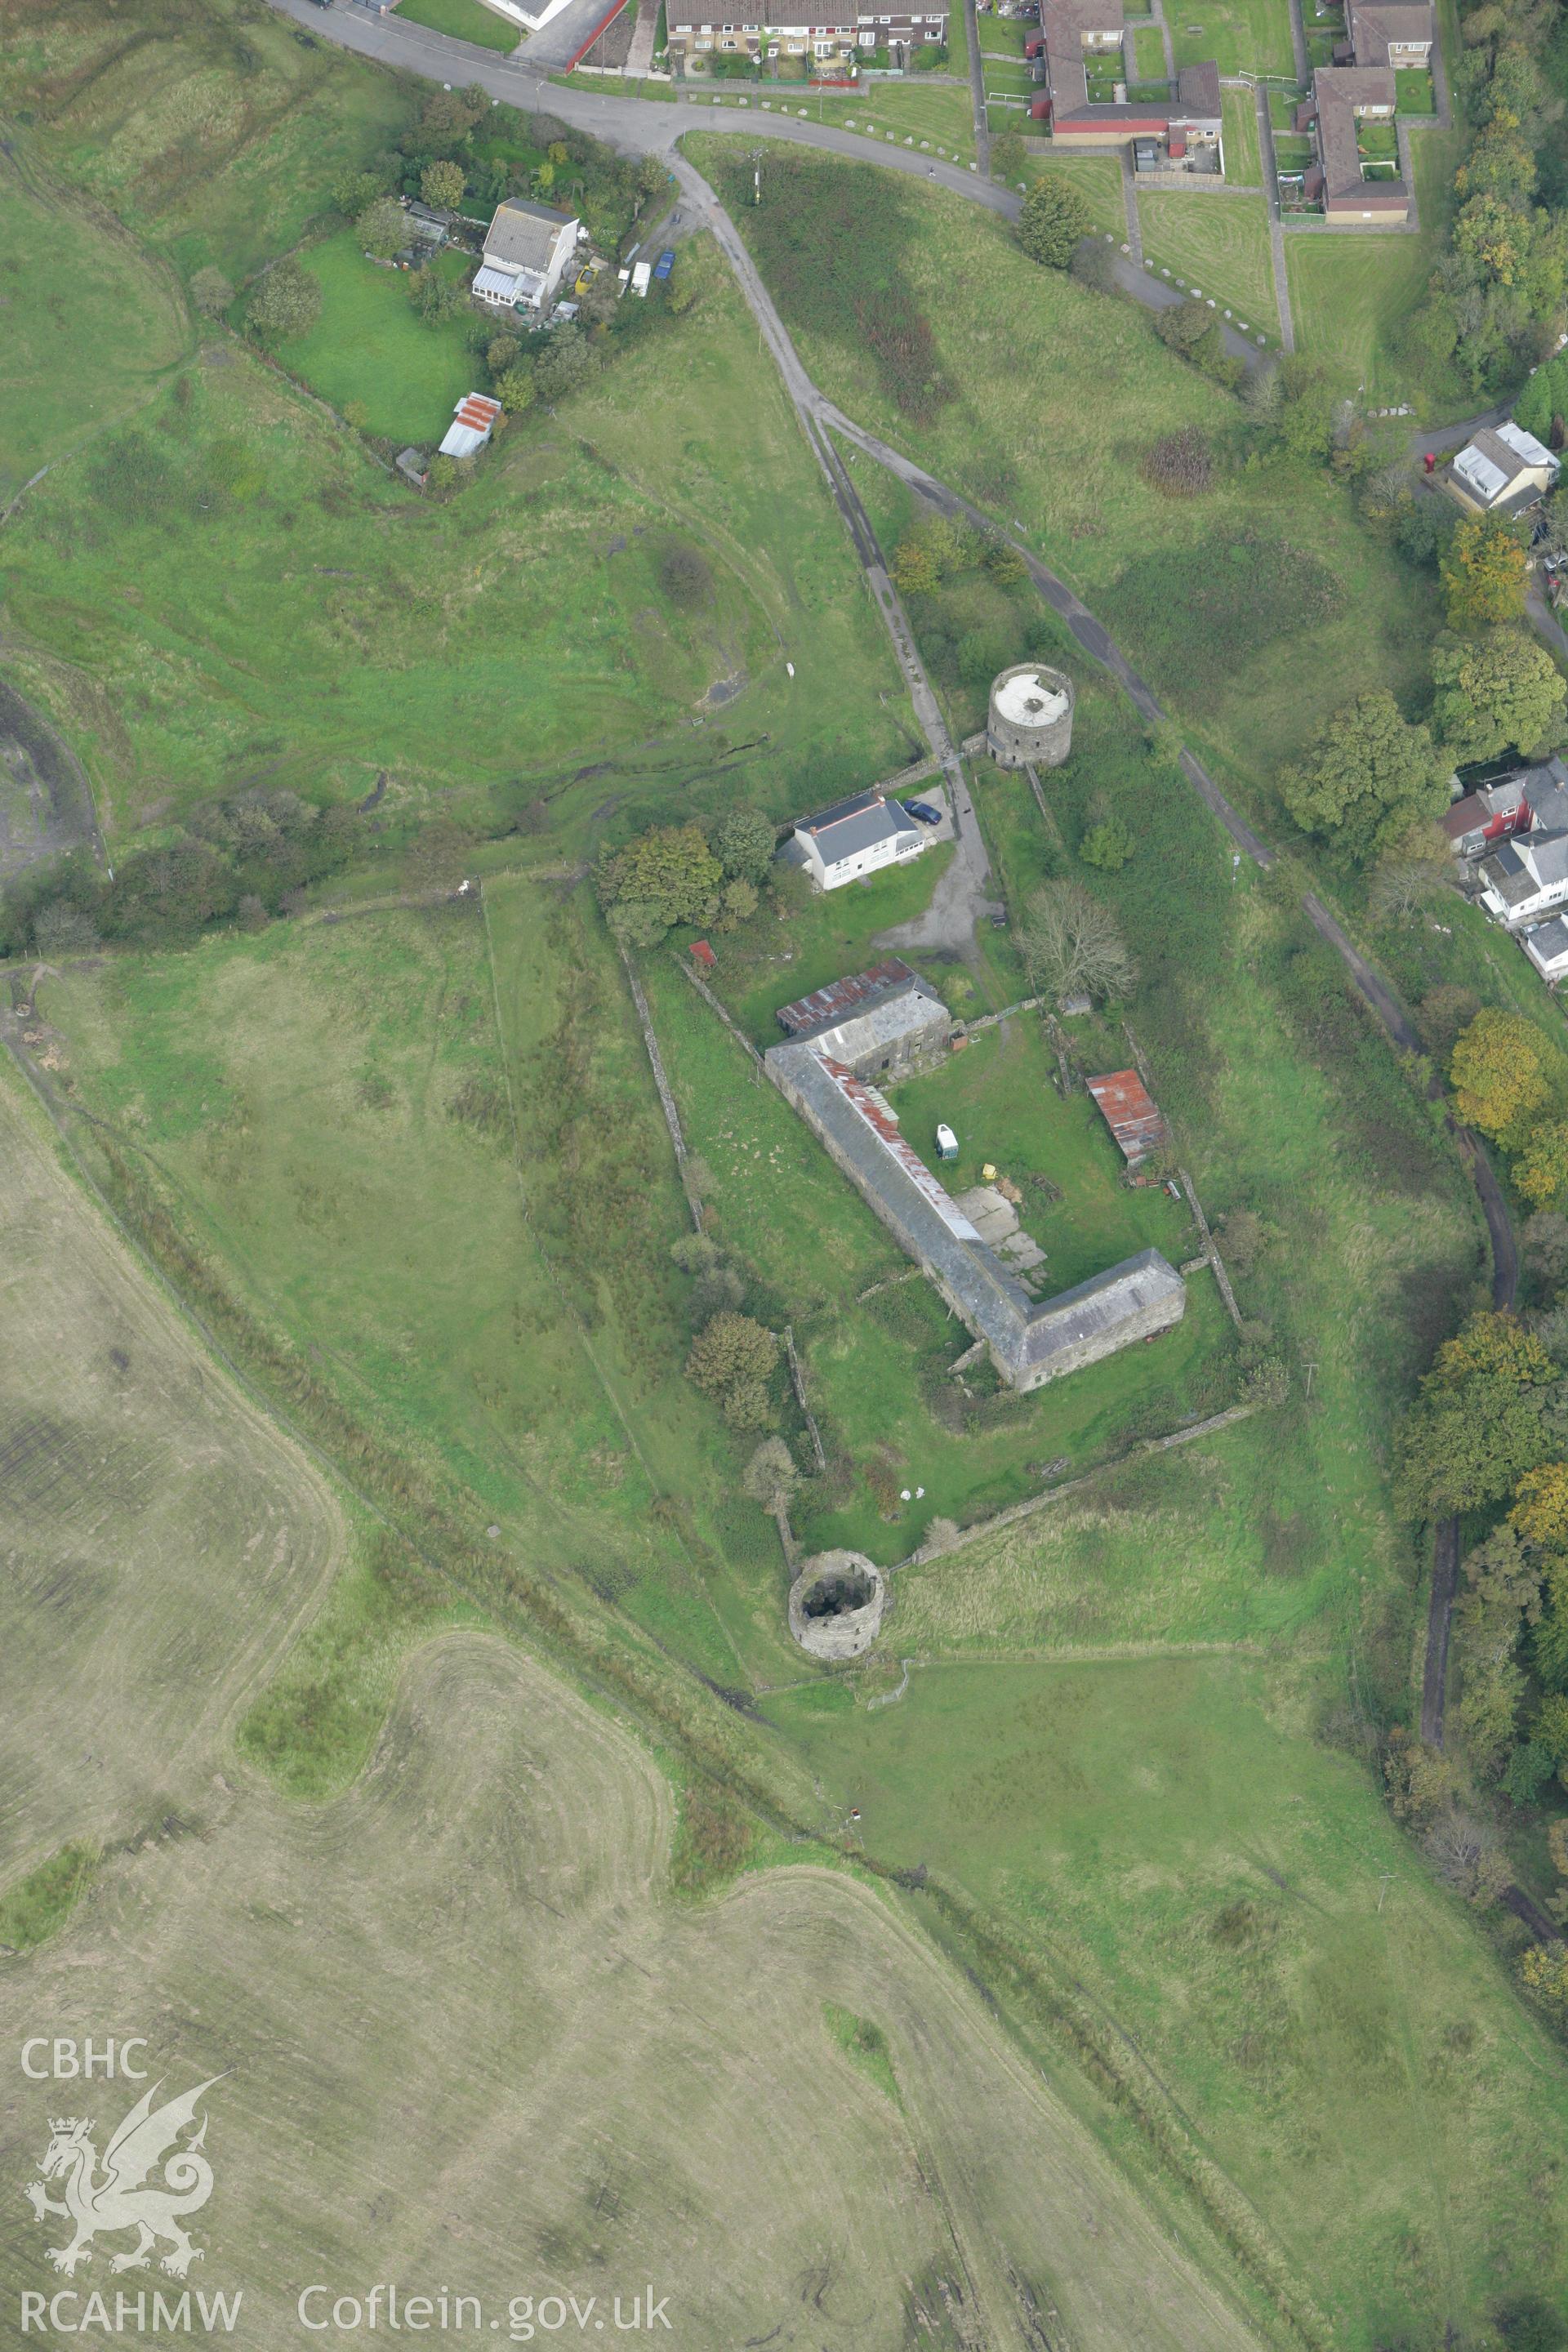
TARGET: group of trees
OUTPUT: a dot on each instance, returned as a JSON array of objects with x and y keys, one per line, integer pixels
[
  {"x": 938, "y": 548},
  {"x": 1367, "y": 778},
  {"x": 708, "y": 878},
  {"x": 1511, "y": 1082},
  {"x": 1498, "y": 290},
  {"x": 243, "y": 858}
]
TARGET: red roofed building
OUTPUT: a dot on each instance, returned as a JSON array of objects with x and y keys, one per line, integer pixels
[
  {"x": 473, "y": 421},
  {"x": 1132, "y": 1115}
]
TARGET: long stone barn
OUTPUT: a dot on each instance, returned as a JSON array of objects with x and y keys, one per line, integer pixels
[{"x": 889, "y": 1022}]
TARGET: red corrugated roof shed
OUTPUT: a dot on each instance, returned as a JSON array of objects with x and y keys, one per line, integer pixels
[
  {"x": 703, "y": 954},
  {"x": 836, "y": 1002},
  {"x": 1131, "y": 1114}
]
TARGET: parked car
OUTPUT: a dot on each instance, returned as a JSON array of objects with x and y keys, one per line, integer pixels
[
  {"x": 665, "y": 263},
  {"x": 922, "y": 812}
]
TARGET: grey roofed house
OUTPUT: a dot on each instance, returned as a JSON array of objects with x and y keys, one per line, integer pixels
[
  {"x": 1029, "y": 1341},
  {"x": 1546, "y": 790},
  {"x": 1547, "y": 948},
  {"x": 1522, "y": 870},
  {"x": 1197, "y": 94},
  {"x": 1503, "y": 468},
  {"x": 1376, "y": 26},
  {"x": 1338, "y": 94},
  {"x": 861, "y": 824},
  {"x": 523, "y": 235}
]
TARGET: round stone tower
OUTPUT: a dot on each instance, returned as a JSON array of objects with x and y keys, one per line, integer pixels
[{"x": 1029, "y": 722}]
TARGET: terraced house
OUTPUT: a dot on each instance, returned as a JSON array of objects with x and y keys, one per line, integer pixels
[
  {"x": 1350, "y": 184},
  {"x": 797, "y": 29},
  {"x": 1082, "y": 45}
]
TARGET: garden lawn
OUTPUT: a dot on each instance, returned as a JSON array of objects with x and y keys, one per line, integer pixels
[
  {"x": 466, "y": 20},
  {"x": 1241, "y": 36},
  {"x": 1219, "y": 244},
  {"x": 1097, "y": 178},
  {"x": 371, "y": 349},
  {"x": 1004, "y": 80},
  {"x": 1414, "y": 91},
  {"x": 1149, "y": 52},
  {"x": 1002, "y": 36},
  {"x": 1350, "y": 294},
  {"x": 1243, "y": 158}
]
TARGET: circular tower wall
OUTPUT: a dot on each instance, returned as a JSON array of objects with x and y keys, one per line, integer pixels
[{"x": 1030, "y": 721}]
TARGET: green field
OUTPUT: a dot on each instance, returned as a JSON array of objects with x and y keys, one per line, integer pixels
[
  {"x": 466, "y": 20},
  {"x": 1149, "y": 53},
  {"x": 62, "y": 386},
  {"x": 1243, "y": 160},
  {"x": 1097, "y": 178},
  {"x": 1242, "y": 36},
  {"x": 1351, "y": 295},
  {"x": 1026, "y": 349},
  {"x": 901, "y": 111},
  {"x": 254, "y": 608},
  {"x": 1218, "y": 244},
  {"x": 371, "y": 349}
]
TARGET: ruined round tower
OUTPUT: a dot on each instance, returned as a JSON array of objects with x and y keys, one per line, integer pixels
[{"x": 1030, "y": 721}]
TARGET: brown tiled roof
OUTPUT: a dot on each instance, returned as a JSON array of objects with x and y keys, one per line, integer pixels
[
  {"x": 1337, "y": 91},
  {"x": 1197, "y": 89},
  {"x": 1372, "y": 27}
]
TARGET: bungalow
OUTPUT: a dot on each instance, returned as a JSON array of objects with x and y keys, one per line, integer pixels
[
  {"x": 853, "y": 838},
  {"x": 1525, "y": 878},
  {"x": 527, "y": 249},
  {"x": 800, "y": 28},
  {"x": 1503, "y": 470},
  {"x": 1395, "y": 33},
  {"x": 1547, "y": 948},
  {"x": 1344, "y": 97}
]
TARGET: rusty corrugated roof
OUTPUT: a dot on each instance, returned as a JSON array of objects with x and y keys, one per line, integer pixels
[
  {"x": 1131, "y": 1114},
  {"x": 841, "y": 997}
]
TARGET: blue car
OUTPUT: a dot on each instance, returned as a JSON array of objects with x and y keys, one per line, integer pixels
[
  {"x": 922, "y": 812},
  {"x": 665, "y": 263}
]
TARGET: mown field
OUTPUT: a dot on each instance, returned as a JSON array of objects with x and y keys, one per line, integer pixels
[
  {"x": 1242, "y": 36},
  {"x": 1218, "y": 244},
  {"x": 371, "y": 349},
  {"x": 1243, "y": 156},
  {"x": 1351, "y": 295},
  {"x": 465, "y": 20}
]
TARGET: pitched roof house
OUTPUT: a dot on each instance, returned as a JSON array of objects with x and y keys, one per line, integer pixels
[
  {"x": 1075, "y": 33},
  {"x": 1395, "y": 33},
  {"x": 1526, "y": 877},
  {"x": 1343, "y": 98},
  {"x": 1488, "y": 815},
  {"x": 1547, "y": 946},
  {"x": 1503, "y": 469},
  {"x": 852, "y": 838},
  {"x": 527, "y": 248}
]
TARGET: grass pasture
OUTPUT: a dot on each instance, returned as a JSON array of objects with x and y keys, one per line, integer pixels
[
  {"x": 370, "y": 347},
  {"x": 1351, "y": 295},
  {"x": 1219, "y": 244},
  {"x": 61, "y": 385},
  {"x": 324, "y": 623}
]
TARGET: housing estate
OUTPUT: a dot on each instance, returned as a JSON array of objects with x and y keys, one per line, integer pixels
[
  {"x": 1396, "y": 33},
  {"x": 887, "y": 1022},
  {"x": 1079, "y": 48},
  {"x": 852, "y": 838},
  {"x": 527, "y": 249},
  {"x": 799, "y": 28},
  {"x": 1502, "y": 471}
]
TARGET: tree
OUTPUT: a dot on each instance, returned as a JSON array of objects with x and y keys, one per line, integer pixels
[
  {"x": 352, "y": 191},
  {"x": 1366, "y": 773},
  {"x": 717, "y": 1284},
  {"x": 1093, "y": 265},
  {"x": 770, "y": 1478},
  {"x": 1179, "y": 464},
  {"x": 915, "y": 570},
  {"x": 1499, "y": 1074},
  {"x": 441, "y": 184},
  {"x": 1497, "y": 693},
  {"x": 568, "y": 364},
  {"x": 1106, "y": 845},
  {"x": 1072, "y": 946},
  {"x": 744, "y": 843},
  {"x": 1542, "y": 1174},
  {"x": 1001, "y": 560},
  {"x": 436, "y": 296},
  {"x": 285, "y": 304},
  {"x": 1540, "y": 1513},
  {"x": 685, "y": 576},
  {"x": 929, "y": 551},
  {"x": 1408, "y": 878},
  {"x": 1055, "y": 217},
  {"x": 1477, "y": 1425},
  {"x": 670, "y": 869},
  {"x": 732, "y": 1360},
  {"x": 1307, "y": 406},
  {"x": 501, "y": 352},
  {"x": 211, "y": 292},
  {"x": 1483, "y": 571},
  {"x": 516, "y": 390},
  {"x": 1007, "y": 157},
  {"x": 1543, "y": 1971},
  {"x": 383, "y": 228}
]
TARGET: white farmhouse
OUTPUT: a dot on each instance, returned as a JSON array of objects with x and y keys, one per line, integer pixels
[
  {"x": 1547, "y": 948},
  {"x": 1526, "y": 879},
  {"x": 527, "y": 248},
  {"x": 854, "y": 838}
]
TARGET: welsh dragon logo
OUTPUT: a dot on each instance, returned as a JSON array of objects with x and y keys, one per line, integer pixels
[{"x": 104, "y": 2202}]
